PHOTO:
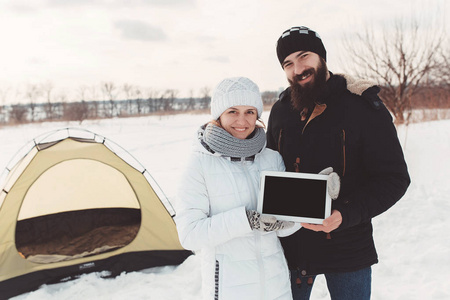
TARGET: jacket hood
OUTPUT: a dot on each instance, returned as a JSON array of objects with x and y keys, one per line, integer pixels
[{"x": 358, "y": 86}]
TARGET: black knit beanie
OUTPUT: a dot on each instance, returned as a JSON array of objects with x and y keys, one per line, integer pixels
[{"x": 299, "y": 38}]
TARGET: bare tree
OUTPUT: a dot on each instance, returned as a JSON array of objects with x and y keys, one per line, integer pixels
[
  {"x": 94, "y": 99},
  {"x": 49, "y": 107},
  {"x": 76, "y": 111},
  {"x": 191, "y": 102},
  {"x": 170, "y": 96},
  {"x": 18, "y": 113},
  {"x": 4, "y": 91},
  {"x": 400, "y": 60},
  {"x": 438, "y": 93},
  {"x": 128, "y": 90},
  {"x": 442, "y": 74},
  {"x": 138, "y": 99},
  {"x": 153, "y": 100},
  {"x": 32, "y": 93},
  {"x": 81, "y": 92},
  {"x": 109, "y": 93},
  {"x": 205, "y": 96}
]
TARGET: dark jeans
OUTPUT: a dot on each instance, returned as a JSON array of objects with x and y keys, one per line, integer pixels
[{"x": 342, "y": 286}]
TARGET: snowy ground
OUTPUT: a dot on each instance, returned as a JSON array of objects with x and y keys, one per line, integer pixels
[{"x": 411, "y": 238}]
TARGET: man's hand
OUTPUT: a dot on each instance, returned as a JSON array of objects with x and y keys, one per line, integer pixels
[{"x": 328, "y": 225}]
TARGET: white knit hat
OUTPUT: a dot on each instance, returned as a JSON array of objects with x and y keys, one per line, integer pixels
[{"x": 235, "y": 91}]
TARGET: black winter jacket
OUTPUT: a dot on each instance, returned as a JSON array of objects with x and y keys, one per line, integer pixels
[{"x": 355, "y": 135}]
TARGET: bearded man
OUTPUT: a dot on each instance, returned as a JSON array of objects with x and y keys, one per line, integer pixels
[{"x": 318, "y": 123}]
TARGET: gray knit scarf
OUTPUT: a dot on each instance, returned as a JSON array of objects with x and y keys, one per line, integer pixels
[{"x": 216, "y": 139}]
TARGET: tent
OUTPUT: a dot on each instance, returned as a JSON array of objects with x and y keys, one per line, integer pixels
[{"x": 73, "y": 202}]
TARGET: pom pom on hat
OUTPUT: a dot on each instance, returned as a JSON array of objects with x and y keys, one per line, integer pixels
[{"x": 233, "y": 92}]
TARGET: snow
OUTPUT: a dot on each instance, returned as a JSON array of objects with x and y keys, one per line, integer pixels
[{"x": 411, "y": 237}]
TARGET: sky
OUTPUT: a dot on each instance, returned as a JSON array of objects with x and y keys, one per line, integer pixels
[{"x": 184, "y": 45}]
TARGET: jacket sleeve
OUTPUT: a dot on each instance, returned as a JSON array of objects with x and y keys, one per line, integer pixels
[
  {"x": 196, "y": 227},
  {"x": 384, "y": 169}
]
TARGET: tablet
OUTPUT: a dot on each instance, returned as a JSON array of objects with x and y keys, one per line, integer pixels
[{"x": 298, "y": 197}]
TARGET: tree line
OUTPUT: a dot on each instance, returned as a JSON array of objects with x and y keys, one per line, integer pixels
[
  {"x": 429, "y": 101},
  {"x": 116, "y": 101}
]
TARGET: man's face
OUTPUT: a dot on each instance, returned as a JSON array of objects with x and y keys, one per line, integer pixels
[
  {"x": 301, "y": 67},
  {"x": 307, "y": 73}
]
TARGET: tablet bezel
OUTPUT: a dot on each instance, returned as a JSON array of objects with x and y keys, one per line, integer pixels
[{"x": 287, "y": 217}]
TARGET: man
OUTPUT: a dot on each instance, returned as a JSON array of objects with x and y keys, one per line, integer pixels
[{"x": 318, "y": 123}]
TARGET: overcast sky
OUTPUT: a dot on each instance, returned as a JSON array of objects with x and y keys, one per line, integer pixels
[{"x": 172, "y": 44}]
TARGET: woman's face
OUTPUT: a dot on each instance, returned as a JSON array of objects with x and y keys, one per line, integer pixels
[{"x": 239, "y": 120}]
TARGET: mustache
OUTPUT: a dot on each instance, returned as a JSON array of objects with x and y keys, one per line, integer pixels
[{"x": 305, "y": 73}]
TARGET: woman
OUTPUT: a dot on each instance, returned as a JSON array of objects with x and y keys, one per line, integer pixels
[{"x": 242, "y": 257}]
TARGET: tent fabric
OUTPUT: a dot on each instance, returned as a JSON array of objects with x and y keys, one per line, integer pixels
[
  {"x": 78, "y": 187},
  {"x": 75, "y": 199}
]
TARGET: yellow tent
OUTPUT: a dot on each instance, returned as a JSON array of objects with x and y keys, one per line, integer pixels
[{"x": 76, "y": 203}]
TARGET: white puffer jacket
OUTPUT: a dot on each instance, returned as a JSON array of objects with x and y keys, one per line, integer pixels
[{"x": 213, "y": 197}]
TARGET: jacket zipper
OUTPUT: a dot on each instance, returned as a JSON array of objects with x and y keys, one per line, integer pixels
[
  {"x": 279, "y": 140},
  {"x": 216, "y": 281},
  {"x": 343, "y": 151},
  {"x": 328, "y": 235}
]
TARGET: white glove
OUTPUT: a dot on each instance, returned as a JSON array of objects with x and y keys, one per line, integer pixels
[
  {"x": 334, "y": 182},
  {"x": 266, "y": 223}
]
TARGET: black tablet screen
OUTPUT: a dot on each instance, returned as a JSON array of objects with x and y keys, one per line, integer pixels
[{"x": 294, "y": 197}]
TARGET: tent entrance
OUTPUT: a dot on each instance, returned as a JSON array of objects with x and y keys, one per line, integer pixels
[
  {"x": 74, "y": 234},
  {"x": 76, "y": 208}
]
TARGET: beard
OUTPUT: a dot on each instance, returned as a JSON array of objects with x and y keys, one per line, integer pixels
[{"x": 305, "y": 96}]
